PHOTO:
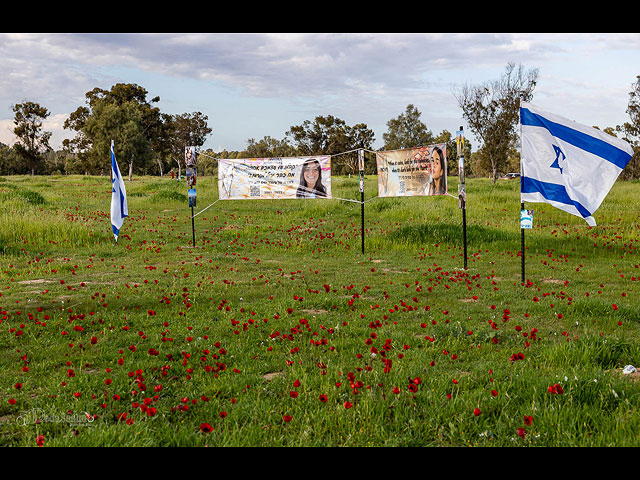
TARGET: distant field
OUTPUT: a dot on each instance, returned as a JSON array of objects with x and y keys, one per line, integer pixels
[{"x": 275, "y": 330}]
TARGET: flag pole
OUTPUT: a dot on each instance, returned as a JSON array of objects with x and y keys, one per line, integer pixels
[
  {"x": 522, "y": 247},
  {"x": 111, "y": 174},
  {"x": 462, "y": 194},
  {"x": 522, "y": 241},
  {"x": 361, "y": 169}
]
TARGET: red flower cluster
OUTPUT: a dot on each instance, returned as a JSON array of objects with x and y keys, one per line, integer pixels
[
  {"x": 555, "y": 389},
  {"x": 516, "y": 356}
]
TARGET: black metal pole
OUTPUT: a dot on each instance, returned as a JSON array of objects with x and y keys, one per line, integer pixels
[
  {"x": 521, "y": 204},
  {"x": 362, "y": 218},
  {"x": 462, "y": 189},
  {"x": 464, "y": 233},
  {"x": 193, "y": 227},
  {"x": 522, "y": 243},
  {"x": 361, "y": 170}
]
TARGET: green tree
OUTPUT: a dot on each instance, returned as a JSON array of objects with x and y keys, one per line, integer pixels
[
  {"x": 631, "y": 132},
  {"x": 324, "y": 136},
  {"x": 492, "y": 112},
  {"x": 406, "y": 131},
  {"x": 122, "y": 114},
  {"x": 331, "y": 136},
  {"x": 268, "y": 147},
  {"x": 9, "y": 163},
  {"x": 54, "y": 162},
  {"x": 122, "y": 124},
  {"x": 360, "y": 137},
  {"x": 32, "y": 142},
  {"x": 185, "y": 130}
]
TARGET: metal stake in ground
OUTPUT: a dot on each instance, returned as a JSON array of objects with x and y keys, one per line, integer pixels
[{"x": 522, "y": 243}]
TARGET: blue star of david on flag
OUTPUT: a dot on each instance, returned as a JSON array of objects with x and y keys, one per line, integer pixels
[{"x": 556, "y": 163}]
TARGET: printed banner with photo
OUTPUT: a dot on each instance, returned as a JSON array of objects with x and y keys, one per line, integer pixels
[
  {"x": 413, "y": 171},
  {"x": 190, "y": 160},
  {"x": 279, "y": 177}
]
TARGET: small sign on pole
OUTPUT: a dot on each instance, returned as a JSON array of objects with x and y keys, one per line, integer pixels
[{"x": 526, "y": 219}]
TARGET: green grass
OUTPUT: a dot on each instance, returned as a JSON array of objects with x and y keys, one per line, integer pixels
[{"x": 276, "y": 297}]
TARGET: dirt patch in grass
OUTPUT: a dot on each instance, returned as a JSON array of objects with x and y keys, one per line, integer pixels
[{"x": 35, "y": 281}]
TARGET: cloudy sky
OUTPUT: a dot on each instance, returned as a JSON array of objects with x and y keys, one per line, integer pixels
[{"x": 256, "y": 85}]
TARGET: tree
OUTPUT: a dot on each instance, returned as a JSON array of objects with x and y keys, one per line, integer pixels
[
  {"x": 32, "y": 143},
  {"x": 631, "y": 131},
  {"x": 361, "y": 137},
  {"x": 406, "y": 131},
  {"x": 492, "y": 112},
  {"x": 122, "y": 114},
  {"x": 268, "y": 147},
  {"x": 122, "y": 124},
  {"x": 9, "y": 163},
  {"x": 324, "y": 136},
  {"x": 185, "y": 130},
  {"x": 331, "y": 136}
]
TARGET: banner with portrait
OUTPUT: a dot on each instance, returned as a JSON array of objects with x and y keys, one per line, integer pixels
[
  {"x": 274, "y": 178},
  {"x": 190, "y": 160},
  {"x": 412, "y": 171}
]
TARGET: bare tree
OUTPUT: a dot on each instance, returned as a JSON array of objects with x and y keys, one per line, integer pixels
[{"x": 492, "y": 111}]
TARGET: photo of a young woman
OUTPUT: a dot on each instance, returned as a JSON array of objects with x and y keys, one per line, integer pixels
[
  {"x": 438, "y": 184},
  {"x": 311, "y": 180}
]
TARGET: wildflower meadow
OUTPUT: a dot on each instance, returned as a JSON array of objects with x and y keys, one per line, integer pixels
[{"x": 274, "y": 329}]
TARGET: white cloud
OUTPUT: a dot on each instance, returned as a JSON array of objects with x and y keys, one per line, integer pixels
[
  {"x": 53, "y": 124},
  {"x": 6, "y": 132}
]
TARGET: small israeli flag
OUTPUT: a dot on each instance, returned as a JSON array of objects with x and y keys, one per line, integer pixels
[
  {"x": 567, "y": 165},
  {"x": 119, "y": 209}
]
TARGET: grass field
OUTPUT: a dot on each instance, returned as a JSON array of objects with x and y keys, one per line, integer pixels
[{"x": 275, "y": 329}]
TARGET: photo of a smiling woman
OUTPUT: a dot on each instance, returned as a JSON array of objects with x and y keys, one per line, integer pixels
[
  {"x": 438, "y": 184},
  {"x": 311, "y": 180}
]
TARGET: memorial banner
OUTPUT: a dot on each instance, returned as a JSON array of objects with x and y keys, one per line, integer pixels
[
  {"x": 274, "y": 178},
  {"x": 412, "y": 171}
]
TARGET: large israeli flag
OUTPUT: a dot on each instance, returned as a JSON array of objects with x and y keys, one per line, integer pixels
[
  {"x": 119, "y": 209},
  {"x": 567, "y": 165}
]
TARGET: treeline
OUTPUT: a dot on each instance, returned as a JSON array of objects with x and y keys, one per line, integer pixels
[
  {"x": 329, "y": 135},
  {"x": 150, "y": 142}
]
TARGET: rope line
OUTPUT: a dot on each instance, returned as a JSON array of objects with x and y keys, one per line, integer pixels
[
  {"x": 331, "y": 198},
  {"x": 211, "y": 205},
  {"x": 332, "y": 155}
]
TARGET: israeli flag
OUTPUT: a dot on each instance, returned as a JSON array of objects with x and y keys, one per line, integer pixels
[
  {"x": 567, "y": 165},
  {"x": 119, "y": 209}
]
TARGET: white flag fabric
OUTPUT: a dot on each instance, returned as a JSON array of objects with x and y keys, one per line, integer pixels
[
  {"x": 567, "y": 165},
  {"x": 119, "y": 209}
]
